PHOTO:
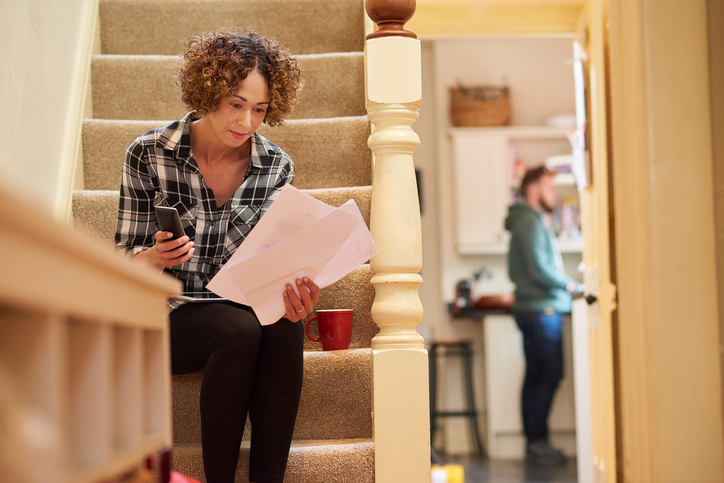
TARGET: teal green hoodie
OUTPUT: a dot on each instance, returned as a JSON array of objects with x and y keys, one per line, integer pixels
[{"x": 540, "y": 283}]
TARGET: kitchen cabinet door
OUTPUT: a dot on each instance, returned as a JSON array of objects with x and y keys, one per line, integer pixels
[{"x": 481, "y": 189}]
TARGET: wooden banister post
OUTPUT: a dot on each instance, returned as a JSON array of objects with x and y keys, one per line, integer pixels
[{"x": 393, "y": 81}]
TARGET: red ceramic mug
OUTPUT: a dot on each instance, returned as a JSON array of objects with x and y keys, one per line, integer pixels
[{"x": 335, "y": 328}]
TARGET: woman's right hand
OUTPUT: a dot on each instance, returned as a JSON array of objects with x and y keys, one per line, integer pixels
[{"x": 168, "y": 253}]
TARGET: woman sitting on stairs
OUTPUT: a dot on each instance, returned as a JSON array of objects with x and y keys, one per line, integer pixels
[{"x": 222, "y": 176}]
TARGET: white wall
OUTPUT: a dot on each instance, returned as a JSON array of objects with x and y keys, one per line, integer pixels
[
  {"x": 541, "y": 85},
  {"x": 41, "y": 59}
]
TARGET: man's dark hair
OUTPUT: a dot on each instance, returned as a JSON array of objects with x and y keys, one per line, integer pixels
[{"x": 532, "y": 176}]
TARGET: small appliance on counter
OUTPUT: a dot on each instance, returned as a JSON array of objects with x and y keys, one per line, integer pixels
[{"x": 463, "y": 297}]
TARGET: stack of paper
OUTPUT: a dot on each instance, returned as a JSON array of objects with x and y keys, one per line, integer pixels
[{"x": 298, "y": 236}]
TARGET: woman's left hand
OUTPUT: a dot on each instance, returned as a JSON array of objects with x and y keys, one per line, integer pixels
[{"x": 300, "y": 305}]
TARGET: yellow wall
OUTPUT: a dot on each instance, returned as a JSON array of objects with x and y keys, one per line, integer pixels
[
  {"x": 435, "y": 18},
  {"x": 41, "y": 50}
]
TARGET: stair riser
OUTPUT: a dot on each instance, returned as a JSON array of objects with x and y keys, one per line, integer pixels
[
  {"x": 337, "y": 156},
  {"x": 335, "y": 403},
  {"x": 164, "y": 26},
  {"x": 338, "y": 463},
  {"x": 143, "y": 87}
]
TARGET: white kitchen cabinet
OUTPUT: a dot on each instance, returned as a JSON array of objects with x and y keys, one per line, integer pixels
[
  {"x": 483, "y": 182},
  {"x": 481, "y": 186}
]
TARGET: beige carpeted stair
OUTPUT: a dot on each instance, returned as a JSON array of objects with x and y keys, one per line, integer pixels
[
  {"x": 134, "y": 90},
  {"x": 163, "y": 26},
  {"x": 335, "y": 399},
  {"x": 105, "y": 143},
  {"x": 95, "y": 211},
  {"x": 143, "y": 87},
  {"x": 316, "y": 461}
]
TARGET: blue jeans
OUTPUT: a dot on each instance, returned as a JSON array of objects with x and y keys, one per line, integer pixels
[{"x": 544, "y": 368}]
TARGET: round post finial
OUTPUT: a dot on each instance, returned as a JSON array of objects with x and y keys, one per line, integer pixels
[{"x": 390, "y": 16}]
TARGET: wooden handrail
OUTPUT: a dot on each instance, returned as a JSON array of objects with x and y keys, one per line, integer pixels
[
  {"x": 22, "y": 221},
  {"x": 84, "y": 352},
  {"x": 390, "y": 17}
]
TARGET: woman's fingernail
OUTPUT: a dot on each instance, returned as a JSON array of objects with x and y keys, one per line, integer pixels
[
  {"x": 306, "y": 279},
  {"x": 289, "y": 286},
  {"x": 299, "y": 282}
]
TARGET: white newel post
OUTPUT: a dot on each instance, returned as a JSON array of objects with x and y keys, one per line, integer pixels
[{"x": 400, "y": 392}]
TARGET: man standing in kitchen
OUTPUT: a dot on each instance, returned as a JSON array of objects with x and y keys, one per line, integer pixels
[{"x": 542, "y": 295}]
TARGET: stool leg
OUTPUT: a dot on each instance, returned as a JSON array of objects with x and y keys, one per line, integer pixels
[
  {"x": 435, "y": 458},
  {"x": 433, "y": 392},
  {"x": 468, "y": 370}
]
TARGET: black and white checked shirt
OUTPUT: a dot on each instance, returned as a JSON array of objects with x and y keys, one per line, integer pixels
[{"x": 160, "y": 169}]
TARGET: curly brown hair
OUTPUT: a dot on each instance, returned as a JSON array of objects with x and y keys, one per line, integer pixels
[{"x": 215, "y": 63}]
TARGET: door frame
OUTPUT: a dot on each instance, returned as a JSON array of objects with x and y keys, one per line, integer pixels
[{"x": 669, "y": 337}]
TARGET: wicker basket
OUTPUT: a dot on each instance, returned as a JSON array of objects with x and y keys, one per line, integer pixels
[{"x": 479, "y": 106}]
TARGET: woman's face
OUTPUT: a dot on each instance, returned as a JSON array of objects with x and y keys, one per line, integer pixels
[{"x": 239, "y": 115}]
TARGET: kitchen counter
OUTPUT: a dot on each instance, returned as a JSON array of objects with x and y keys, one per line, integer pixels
[{"x": 475, "y": 313}]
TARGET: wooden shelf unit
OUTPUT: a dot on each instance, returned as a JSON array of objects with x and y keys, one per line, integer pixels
[{"x": 84, "y": 355}]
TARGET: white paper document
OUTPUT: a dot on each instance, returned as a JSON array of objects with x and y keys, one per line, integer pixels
[{"x": 298, "y": 236}]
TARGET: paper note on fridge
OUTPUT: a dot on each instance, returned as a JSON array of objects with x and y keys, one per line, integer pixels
[{"x": 298, "y": 236}]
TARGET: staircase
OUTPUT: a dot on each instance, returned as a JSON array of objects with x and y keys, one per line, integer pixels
[{"x": 133, "y": 85}]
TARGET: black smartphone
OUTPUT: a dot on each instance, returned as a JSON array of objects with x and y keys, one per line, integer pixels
[{"x": 168, "y": 220}]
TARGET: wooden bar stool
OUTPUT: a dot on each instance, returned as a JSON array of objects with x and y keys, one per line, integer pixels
[{"x": 454, "y": 348}]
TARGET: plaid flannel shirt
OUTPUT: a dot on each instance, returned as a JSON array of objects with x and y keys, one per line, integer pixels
[{"x": 159, "y": 169}]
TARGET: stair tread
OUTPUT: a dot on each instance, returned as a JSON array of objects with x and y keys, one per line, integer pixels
[
  {"x": 163, "y": 26},
  {"x": 338, "y": 157},
  {"x": 337, "y": 384},
  {"x": 144, "y": 86},
  {"x": 310, "y": 461},
  {"x": 298, "y": 443}
]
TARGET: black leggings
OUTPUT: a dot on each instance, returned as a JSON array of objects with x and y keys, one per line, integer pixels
[{"x": 247, "y": 368}]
